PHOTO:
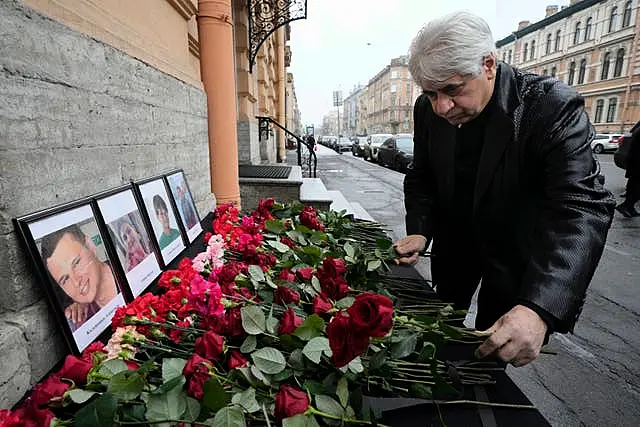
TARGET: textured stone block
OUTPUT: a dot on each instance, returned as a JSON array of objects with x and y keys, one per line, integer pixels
[
  {"x": 20, "y": 286},
  {"x": 15, "y": 375}
]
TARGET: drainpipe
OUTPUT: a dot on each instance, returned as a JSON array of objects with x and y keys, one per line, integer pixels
[
  {"x": 217, "y": 66},
  {"x": 282, "y": 82}
]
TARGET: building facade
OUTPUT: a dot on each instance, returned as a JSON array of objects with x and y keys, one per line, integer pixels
[
  {"x": 591, "y": 45},
  {"x": 293, "y": 116},
  {"x": 351, "y": 111},
  {"x": 331, "y": 125}
]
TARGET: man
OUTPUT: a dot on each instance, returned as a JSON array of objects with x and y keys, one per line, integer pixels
[
  {"x": 162, "y": 213},
  {"x": 632, "y": 193},
  {"x": 70, "y": 257},
  {"x": 505, "y": 184}
]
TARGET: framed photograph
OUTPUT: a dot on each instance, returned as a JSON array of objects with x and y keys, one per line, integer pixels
[
  {"x": 162, "y": 217},
  {"x": 184, "y": 204},
  {"x": 76, "y": 267},
  {"x": 129, "y": 237}
]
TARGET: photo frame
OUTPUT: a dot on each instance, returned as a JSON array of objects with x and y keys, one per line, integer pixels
[
  {"x": 130, "y": 238},
  {"x": 154, "y": 196},
  {"x": 76, "y": 266},
  {"x": 184, "y": 204}
]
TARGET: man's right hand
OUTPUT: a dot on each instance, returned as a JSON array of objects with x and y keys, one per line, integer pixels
[{"x": 409, "y": 248}]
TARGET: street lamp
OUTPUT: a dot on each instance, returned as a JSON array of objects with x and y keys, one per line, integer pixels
[{"x": 337, "y": 102}]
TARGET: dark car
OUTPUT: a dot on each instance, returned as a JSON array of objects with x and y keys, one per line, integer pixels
[
  {"x": 397, "y": 152},
  {"x": 357, "y": 148}
]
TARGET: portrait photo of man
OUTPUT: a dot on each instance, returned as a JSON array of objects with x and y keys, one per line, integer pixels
[{"x": 183, "y": 199}]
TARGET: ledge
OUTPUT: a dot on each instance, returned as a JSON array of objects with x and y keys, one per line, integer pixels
[{"x": 186, "y": 8}]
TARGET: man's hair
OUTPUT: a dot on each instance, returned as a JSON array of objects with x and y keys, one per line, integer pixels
[
  {"x": 455, "y": 43},
  {"x": 50, "y": 241},
  {"x": 159, "y": 204}
]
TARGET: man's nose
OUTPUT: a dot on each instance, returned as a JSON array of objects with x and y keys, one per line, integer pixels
[{"x": 443, "y": 104}]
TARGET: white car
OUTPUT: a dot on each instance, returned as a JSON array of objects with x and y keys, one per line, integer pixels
[
  {"x": 375, "y": 141},
  {"x": 604, "y": 142}
]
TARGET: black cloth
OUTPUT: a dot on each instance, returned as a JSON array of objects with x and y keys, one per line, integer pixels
[
  {"x": 540, "y": 216},
  {"x": 632, "y": 192}
]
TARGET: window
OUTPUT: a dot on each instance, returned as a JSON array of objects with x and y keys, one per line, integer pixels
[
  {"x": 599, "y": 108},
  {"x": 626, "y": 16},
  {"x": 392, "y": 115},
  {"x": 582, "y": 71},
  {"x": 510, "y": 52},
  {"x": 547, "y": 49},
  {"x": 526, "y": 52},
  {"x": 613, "y": 19},
  {"x": 587, "y": 29},
  {"x": 553, "y": 71},
  {"x": 393, "y": 88},
  {"x": 572, "y": 72},
  {"x": 576, "y": 34},
  {"x": 533, "y": 50},
  {"x": 611, "y": 111},
  {"x": 394, "y": 74},
  {"x": 504, "y": 56},
  {"x": 617, "y": 69},
  {"x": 544, "y": 71},
  {"x": 557, "y": 46},
  {"x": 604, "y": 74}
]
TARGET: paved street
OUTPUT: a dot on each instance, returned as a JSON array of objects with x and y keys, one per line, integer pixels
[{"x": 594, "y": 380}]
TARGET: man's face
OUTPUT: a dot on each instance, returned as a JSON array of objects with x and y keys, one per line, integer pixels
[
  {"x": 130, "y": 237},
  {"x": 76, "y": 269},
  {"x": 460, "y": 99},
  {"x": 163, "y": 217}
]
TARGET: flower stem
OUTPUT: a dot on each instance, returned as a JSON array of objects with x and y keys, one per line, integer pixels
[{"x": 313, "y": 411}]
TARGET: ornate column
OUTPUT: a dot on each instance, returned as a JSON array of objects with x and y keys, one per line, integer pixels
[
  {"x": 282, "y": 85},
  {"x": 215, "y": 28}
]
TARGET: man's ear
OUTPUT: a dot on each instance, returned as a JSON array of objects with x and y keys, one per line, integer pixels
[{"x": 489, "y": 65}]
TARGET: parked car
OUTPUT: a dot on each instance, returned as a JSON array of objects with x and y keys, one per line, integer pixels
[
  {"x": 397, "y": 152},
  {"x": 605, "y": 142},
  {"x": 357, "y": 148},
  {"x": 343, "y": 143},
  {"x": 375, "y": 141}
]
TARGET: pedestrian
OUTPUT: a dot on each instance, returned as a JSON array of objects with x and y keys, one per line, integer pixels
[
  {"x": 505, "y": 184},
  {"x": 632, "y": 193}
]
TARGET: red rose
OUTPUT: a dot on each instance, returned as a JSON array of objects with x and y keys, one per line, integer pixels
[
  {"x": 332, "y": 267},
  {"x": 321, "y": 305},
  {"x": 76, "y": 369},
  {"x": 233, "y": 320},
  {"x": 131, "y": 365},
  {"x": 196, "y": 382},
  {"x": 284, "y": 296},
  {"x": 334, "y": 288},
  {"x": 237, "y": 360},
  {"x": 29, "y": 415},
  {"x": 169, "y": 279},
  {"x": 290, "y": 401},
  {"x": 50, "y": 389},
  {"x": 289, "y": 322},
  {"x": 346, "y": 344},
  {"x": 208, "y": 235},
  {"x": 287, "y": 241},
  {"x": 287, "y": 276},
  {"x": 372, "y": 314},
  {"x": 95, "y": 347},
  {"x": 304, "y": 273},
  {"x": 210, "y": 345},
  {"x": 196, "y": 365}
]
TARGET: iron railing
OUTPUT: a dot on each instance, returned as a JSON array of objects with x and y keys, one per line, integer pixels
[{"x": 307, "y": 158}]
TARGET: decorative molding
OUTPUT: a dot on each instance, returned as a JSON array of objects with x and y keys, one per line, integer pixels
[
  {"x": 266, "y": 16},
  {"x": 186, "y": 8},
  {"x": 194, "y": 46}
]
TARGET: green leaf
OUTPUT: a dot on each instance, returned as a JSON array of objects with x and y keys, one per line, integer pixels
[
  {"x": 256, "y": 273},
  {"x": 300, "y": 420},
  {"x": 253, "y": 320},
  {"x": 231, "y": 416},
  {"x": 78, "y": 395},
  {"x": 374, "y": 265},
  {"x": 378, "y": 359},
  {"x": 249, "y": 344},
  {"x": 98, "y": 413},
  {"x": 270, "y": 282},
  {"x": 247, "y": 399},
  {"x": 193, "y": 410},
  {"x": 313, "y": 387},
  {"x": 312, "y": 327},
  {"x": 420, "y": 390},
  {"x": 345, "y": 302},
  {"x": 314, "y": 348},
  {"x": 315, "y": 282},
  {"x": 348, "y": 249},
  {"x": 355, "y": 365},
  {"x": 285, "y": 374},
  {"x": 173, "y": 382},
  {"x": 215, "y": 396},
  {"x": 428, "y": 352},
  {"x": 168, "y": 406},
  {"x": 329, "y": 405},
  {"x": 133, "y": 412},
  {"x": 269, "y": 360},
  {"x": 384, "y": 244},
  {"x": 111, "y": 367},
  {"x": 260, "y": 376},
  {"x": 290, "y": 343},
  {"x": 450, "y": 331},
  {"x": 296, "y": 360},
  {"x": 171, "y": 368},
  {"x": 297, "y": 236},
  {"x": 278, "y": 246},
  {"x": 272, "y": 322},
  {"x": 126, "y": 385},
  {"x": 342, "y": 391},
  {"x": 274, "y": 226},
  {"x": 405, "y": 347}
]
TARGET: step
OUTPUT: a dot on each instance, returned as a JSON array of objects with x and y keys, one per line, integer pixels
[
  {"x": 340, "y": 203},
  {"x": 360, "y": 212},
  {"x": 261, "y": 185},
  {"x": 314, "y": 193}
]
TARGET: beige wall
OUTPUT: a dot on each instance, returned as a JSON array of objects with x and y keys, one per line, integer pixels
[{"x": 157, "y": 32}]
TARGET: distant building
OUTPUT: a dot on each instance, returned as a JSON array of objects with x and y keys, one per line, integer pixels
[
  {"x": 293, "y": 118},
  {"x": 591, "y": 45},
  {"x": 351, "y": 112}
]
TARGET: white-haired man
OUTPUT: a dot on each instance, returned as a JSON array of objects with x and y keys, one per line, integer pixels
[{"x": 505, "y": 184}]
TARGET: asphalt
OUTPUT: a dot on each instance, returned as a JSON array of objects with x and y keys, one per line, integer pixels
[{"x": 594, "y": 379}]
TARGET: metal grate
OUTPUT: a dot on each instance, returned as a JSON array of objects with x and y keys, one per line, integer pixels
[{"x": 269, "y": 172}]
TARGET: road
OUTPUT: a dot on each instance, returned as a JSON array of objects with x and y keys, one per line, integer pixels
[{"x": 594, "y": 380}]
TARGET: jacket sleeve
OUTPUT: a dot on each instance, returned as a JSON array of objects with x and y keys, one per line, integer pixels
[
  {"x": 419, "y": 187},
  {"x": 576, "y": 215}
]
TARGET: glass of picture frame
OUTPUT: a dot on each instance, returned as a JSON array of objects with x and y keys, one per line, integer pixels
[
  {"x": 76, "y": 267},
  {"x": 154, "y": 196},
  {"x": 130, "y": 238},
  {"x": 184, "y": 204}
]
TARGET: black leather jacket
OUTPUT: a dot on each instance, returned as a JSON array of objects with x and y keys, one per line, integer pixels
[{"x": 540, "y": 215}]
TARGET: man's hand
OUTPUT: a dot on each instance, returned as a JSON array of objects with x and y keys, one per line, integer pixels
[
  {"x": 516, "y": 337},
  {"x": 409, "y": 248},
  {"x": 77, "y": 313}
]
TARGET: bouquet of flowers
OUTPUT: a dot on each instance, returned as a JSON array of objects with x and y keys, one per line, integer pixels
[{"x": 287, "y": 317}]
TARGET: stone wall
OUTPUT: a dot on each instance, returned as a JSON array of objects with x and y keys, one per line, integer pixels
[{"x": 76, "y": 117}]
